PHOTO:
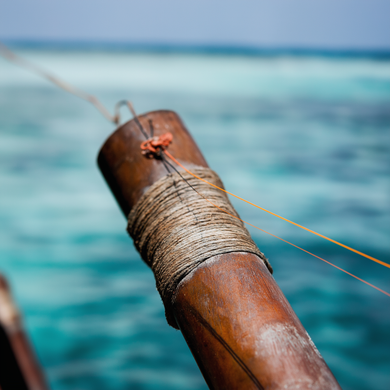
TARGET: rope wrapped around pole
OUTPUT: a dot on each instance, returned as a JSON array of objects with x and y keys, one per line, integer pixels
[
  {"x": 175, "y": 229},
  {"x": 216, "y": 286}
]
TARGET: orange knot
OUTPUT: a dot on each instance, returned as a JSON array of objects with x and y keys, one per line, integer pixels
[{"x": 153, "y": 146}]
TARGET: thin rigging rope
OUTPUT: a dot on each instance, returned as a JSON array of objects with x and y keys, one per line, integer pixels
[
  {"x": 12, "y": 57},
  {"x": 264, "y": 231},
  {"x": 278, "y": 216}
]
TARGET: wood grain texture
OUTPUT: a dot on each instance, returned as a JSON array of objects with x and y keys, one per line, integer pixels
[
  {"x": 248, "y": 330},
  {"x": 235, "y": 319}
]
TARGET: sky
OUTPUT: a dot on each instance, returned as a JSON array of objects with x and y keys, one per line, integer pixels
[{"x": 319, "y": 24}]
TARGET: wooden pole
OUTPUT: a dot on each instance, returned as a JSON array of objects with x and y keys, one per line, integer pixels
[
  {"x": 239, "y": 326},
  {"x": 19, "y": 368}
]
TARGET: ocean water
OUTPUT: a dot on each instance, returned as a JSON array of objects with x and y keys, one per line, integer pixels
[{"x": 305, "y": 137}]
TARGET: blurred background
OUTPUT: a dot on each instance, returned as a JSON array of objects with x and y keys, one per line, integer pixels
[{"x": 290, "y": 103}]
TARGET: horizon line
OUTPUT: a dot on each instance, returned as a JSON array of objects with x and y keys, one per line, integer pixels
[{"x": 209, "y": 49}]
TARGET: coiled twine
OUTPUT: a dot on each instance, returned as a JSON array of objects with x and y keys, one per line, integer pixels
[{"x": 175, "y": 229}]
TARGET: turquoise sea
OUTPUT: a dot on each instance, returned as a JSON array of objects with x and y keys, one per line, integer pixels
[{"x": 307, "y": 137}]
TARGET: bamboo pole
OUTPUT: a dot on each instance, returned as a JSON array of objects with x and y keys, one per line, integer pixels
[
  {"x": 20, "y": 368},
  {"x": 239, "y": 326}
]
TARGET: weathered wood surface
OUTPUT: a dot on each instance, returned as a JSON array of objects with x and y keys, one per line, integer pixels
[
  {"x": 19, "y": 368},
  {"x": 239, "y": 326}
]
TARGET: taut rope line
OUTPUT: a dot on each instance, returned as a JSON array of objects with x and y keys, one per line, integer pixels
[
  {"x": 156, "y": 146},
  {"x": 278, "y": 216},
  {"x": 279, "y": 238},
  {"x": 12, "y": 57}
]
